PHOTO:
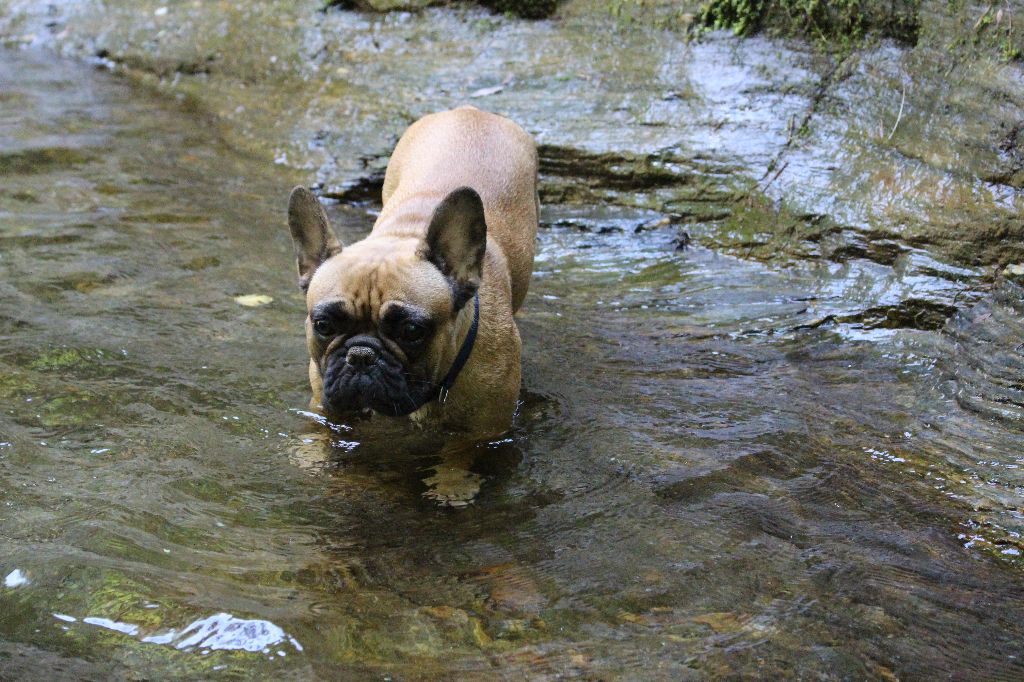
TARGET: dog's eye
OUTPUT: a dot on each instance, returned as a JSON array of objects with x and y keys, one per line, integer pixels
[
  {"x": 410, "y": 332},
  {"x": 323, "y": 326}
]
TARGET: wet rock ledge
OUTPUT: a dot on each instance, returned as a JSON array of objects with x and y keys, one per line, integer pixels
[{"x": 855, "y": 143}]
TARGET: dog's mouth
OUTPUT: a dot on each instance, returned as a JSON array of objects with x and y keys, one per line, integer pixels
[{"x": 361, "y": 374}]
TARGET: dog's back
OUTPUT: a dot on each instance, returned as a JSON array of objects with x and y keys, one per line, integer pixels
[{"x": 466, "y": 147}]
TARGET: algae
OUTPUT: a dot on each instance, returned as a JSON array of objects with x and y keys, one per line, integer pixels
[{"x": 828, "y": 22}]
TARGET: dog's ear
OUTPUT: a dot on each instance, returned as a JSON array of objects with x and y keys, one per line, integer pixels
[
  {"x": 311, "y": 233},
  {"x": 456, "y": 241}
]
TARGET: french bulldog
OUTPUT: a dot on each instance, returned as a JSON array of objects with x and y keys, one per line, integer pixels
[{"x": 416, "y": 320}]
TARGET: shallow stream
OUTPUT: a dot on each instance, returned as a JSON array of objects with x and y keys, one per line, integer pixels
[{"x": 721, "y": 466}]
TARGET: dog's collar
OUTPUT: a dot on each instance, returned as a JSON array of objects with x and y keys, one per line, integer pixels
[{"x": 463, "y": 356}]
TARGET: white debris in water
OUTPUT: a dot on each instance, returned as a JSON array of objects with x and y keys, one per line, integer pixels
[
  {"x": 486, "y": 92},
  {"x": 253, "y": 300},
  {"x": 1012, "y": 551},
  {"x": 222, "y": 631},
  {"x": 160, "y": 11},
  {"x": 883, "y": 455},
  {"x": 16, "y": 579},
  {"x": 972, "y": 540},
  {"x": 126, "y": 628}
]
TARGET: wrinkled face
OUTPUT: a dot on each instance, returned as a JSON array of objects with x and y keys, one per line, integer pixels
[{"x": 380, "y": 327}]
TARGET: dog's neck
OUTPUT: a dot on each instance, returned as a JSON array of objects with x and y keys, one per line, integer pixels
[{"x": 463, "y": 355}]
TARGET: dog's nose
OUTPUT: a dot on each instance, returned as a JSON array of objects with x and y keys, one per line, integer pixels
[{"x": 361, "y": 357}]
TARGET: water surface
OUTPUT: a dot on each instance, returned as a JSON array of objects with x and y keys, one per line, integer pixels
[{"x": 720, "y": 466}]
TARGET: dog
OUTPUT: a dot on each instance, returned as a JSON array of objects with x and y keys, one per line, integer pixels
[{"x": 416, "y": 320}]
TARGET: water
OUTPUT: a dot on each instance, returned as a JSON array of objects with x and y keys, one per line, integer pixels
[{"x": 720, "y": 466}]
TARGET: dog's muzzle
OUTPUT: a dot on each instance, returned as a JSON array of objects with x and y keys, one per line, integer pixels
[{"x": 363, "y": 374}]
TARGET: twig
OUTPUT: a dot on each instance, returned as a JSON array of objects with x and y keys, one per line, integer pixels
[
  {"x": 899, "y": 116},
  {"x": 768, "y": 184}
]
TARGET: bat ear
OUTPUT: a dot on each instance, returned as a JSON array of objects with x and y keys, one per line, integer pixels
[
  {"x": 456, "y": 241},
  {"x": 312, "y": 235}
]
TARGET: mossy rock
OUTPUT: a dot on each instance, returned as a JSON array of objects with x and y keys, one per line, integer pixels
[
  {"x": 57, "y": 359},
  {"x": 827, "y": 20}
]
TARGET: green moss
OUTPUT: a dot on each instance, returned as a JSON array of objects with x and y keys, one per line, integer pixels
[
  {"x": 758, "y": 228},
  {"x": 62, "y": 362},
  {"x": 742, "y": 17},
  {"x": 827, "y": 20},
  {"x": 995, "y": 29},
  {"x": 123, "y": 599},
  {"x": 40, "y": 160},
  {"x": 75, "y": 407},
  {"x": 58, "y": 358},
  {"x": 15, "y": 384}
]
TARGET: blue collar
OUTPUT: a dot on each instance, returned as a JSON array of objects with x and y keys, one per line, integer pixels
[{"x": 463, "y": 356}]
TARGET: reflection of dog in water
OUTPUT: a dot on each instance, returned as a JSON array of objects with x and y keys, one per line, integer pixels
[{"x": 452, "y": 475}]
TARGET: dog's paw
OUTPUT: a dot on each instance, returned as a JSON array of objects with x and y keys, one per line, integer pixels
[{"x": 452, "y": 486}]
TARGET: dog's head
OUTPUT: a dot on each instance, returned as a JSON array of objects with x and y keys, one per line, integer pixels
[{"x": 383, "y": 320}]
